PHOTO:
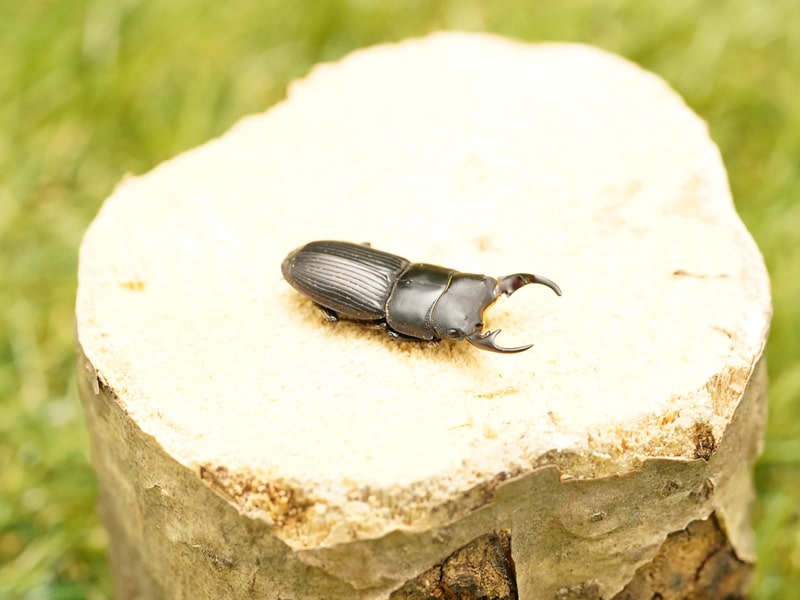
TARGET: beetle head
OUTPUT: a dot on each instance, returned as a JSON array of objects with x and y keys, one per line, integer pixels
[{"x": 508, "y": 285}]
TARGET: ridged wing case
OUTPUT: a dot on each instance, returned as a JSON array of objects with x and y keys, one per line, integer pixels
[{"x": 353, "y": 280}]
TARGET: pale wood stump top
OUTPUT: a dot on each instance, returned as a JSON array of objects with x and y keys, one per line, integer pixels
[{"x": 462, "y": 150}]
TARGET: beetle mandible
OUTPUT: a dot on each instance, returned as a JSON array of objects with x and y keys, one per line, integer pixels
[{"x": 409, "y": 300}]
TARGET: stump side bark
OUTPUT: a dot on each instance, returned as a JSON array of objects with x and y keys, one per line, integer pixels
[{"x": 247, "y": 448}]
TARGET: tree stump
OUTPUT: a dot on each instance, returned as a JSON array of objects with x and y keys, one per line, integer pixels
[{"x": 248, "y": 448}]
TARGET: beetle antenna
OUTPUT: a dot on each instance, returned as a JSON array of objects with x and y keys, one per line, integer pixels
[
  {"x": 486, "y": 341},
  {"x": 511, "y": 283}
]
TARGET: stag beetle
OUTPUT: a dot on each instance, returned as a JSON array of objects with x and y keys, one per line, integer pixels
[{"x": 409, "y": 300}]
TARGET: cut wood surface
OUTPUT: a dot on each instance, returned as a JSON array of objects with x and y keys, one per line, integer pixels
[{"x": 247, "y": 448}]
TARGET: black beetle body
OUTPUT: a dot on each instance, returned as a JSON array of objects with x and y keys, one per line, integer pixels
[{"x": 413, "y": 300}]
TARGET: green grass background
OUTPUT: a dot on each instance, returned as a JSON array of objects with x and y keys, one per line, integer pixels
[{"x": 91, "y": 90}]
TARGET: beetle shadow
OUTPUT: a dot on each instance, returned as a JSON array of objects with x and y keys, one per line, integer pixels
[
  {"x": 314, "y": 320},
  {"x": 458, "y": 353}
]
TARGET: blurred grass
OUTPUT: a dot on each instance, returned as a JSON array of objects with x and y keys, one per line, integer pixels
[{"x": 91, "y": 90}]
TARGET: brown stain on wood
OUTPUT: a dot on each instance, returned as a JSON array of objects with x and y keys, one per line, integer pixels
[
  {"x": 704, "y": 442},
  {"x": 481, "y": 570},
  {"x": 278, "y": 501},
  {"x": 696, "y": 563},
  {"x": 500, "y": 393},
  {"x": 134, "y": 285}
]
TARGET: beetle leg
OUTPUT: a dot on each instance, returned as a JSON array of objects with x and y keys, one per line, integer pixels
[
  {"x": 395, "y": 335},
  {"x": 389, "y": 331},
  {"x": 329, "y": 314},
  {"x": 392, "y": 333},
  {"x": 511, "y": 283},
  {"x": 486, "y": 341}
]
